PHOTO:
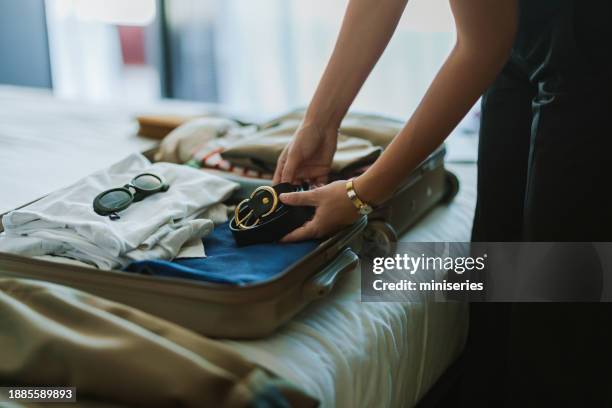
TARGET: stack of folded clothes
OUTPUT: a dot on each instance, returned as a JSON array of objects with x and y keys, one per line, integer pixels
[
  {"x": 64, "y": 223},
  {"x": 253, "y": 150}
]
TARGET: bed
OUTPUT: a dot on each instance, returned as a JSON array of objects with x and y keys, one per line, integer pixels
[
  {"x": 339, "y": 350},
  {"x": 351, "y": 354}
]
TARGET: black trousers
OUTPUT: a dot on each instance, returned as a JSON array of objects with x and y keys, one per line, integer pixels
[
  {"x": 545, "y": 161},
  {"x": 544, "y": 174}
]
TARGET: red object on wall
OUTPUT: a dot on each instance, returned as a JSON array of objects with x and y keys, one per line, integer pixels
[{"x": 132, "y": 45}]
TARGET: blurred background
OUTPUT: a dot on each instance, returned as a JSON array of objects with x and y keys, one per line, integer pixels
[{"x": 256, "y": 57}]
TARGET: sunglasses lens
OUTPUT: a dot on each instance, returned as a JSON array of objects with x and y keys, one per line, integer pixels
[
  {"x": 147, "y": 182},
  {"x": 115, "y": 199}
]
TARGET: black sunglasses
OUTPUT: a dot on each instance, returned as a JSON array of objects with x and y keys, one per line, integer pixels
[{"x": 110, "y": 202}]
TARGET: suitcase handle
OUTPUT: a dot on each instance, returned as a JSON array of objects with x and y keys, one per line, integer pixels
[{"x": 323, "y": 282}]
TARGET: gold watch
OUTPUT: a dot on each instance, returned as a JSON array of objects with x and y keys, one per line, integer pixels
[{"x": 362, "y": 208}]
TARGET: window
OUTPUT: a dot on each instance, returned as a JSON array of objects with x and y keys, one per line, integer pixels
[
  {"x": 98, "y": 49},
  {"x": 257, "y": 57}
]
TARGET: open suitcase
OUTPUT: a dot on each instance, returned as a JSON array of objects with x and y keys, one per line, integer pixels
[{"x": 253, "y": 310}]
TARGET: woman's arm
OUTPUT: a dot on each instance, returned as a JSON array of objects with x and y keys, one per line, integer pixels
[
  {"x": 366, "y": 30},
  {"x": 485, "y": 34}
]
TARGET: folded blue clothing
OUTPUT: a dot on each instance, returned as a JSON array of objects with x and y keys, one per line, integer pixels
[{"x": 228, "y": 263}]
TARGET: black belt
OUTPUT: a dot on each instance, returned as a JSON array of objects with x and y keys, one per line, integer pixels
[{"x": 263, "y": 218}]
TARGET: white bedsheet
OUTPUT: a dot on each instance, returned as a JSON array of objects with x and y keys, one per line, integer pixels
[
  {"x": 345, "y": 353},
  {"x": 353, "y": 354},
  {"x": 43, "y": 140}
]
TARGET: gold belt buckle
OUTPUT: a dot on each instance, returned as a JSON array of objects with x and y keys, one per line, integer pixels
[{"x": 246, "y": 222}]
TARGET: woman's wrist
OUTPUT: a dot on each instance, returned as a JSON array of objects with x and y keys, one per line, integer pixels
[
  {"x": 370, "y": 190},
  {"x": 309, "y": 124},
  {"x": 327, "y": 134},
  {"x": 325, "y": 120}
]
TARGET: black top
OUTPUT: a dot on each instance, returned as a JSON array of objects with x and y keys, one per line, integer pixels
[{"x": 564, "y": 39}]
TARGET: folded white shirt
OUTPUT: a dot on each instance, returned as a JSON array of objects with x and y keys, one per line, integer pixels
[{"x": 64, "y": 222}]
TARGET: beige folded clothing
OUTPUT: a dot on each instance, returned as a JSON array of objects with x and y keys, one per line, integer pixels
[
  {"x": 55, "y": 336},
  {"x": 260, "y": 150},
  {"x": 257, "y": 148},
  {"x": 379, "y": 130}
]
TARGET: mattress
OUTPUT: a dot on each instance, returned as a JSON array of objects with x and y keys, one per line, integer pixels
[
  {"x": 344, "y": 352},
  {"x": 352, "y": 354}
]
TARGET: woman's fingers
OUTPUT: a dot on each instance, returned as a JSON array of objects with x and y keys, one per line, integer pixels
[
  {"x": 280, "y": 165},
  {"x": 333, "y": 211},
  {"x": 306, "y": 231},
  {"x": 303, "y": 198},
  {"x": 289, "y": 169}
]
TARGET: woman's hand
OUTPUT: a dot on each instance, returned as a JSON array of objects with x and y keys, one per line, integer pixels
[
  {"x": 334, "y": 211},
  {"x": 308, "y": 157}
]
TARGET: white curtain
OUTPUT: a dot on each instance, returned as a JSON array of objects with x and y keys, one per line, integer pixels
[
  {"x": 85, "y": 55},
  {"x": 271, "y": 54},
  {"x": 85, "y": 50},
  {"x": 268, "y": 54}
]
